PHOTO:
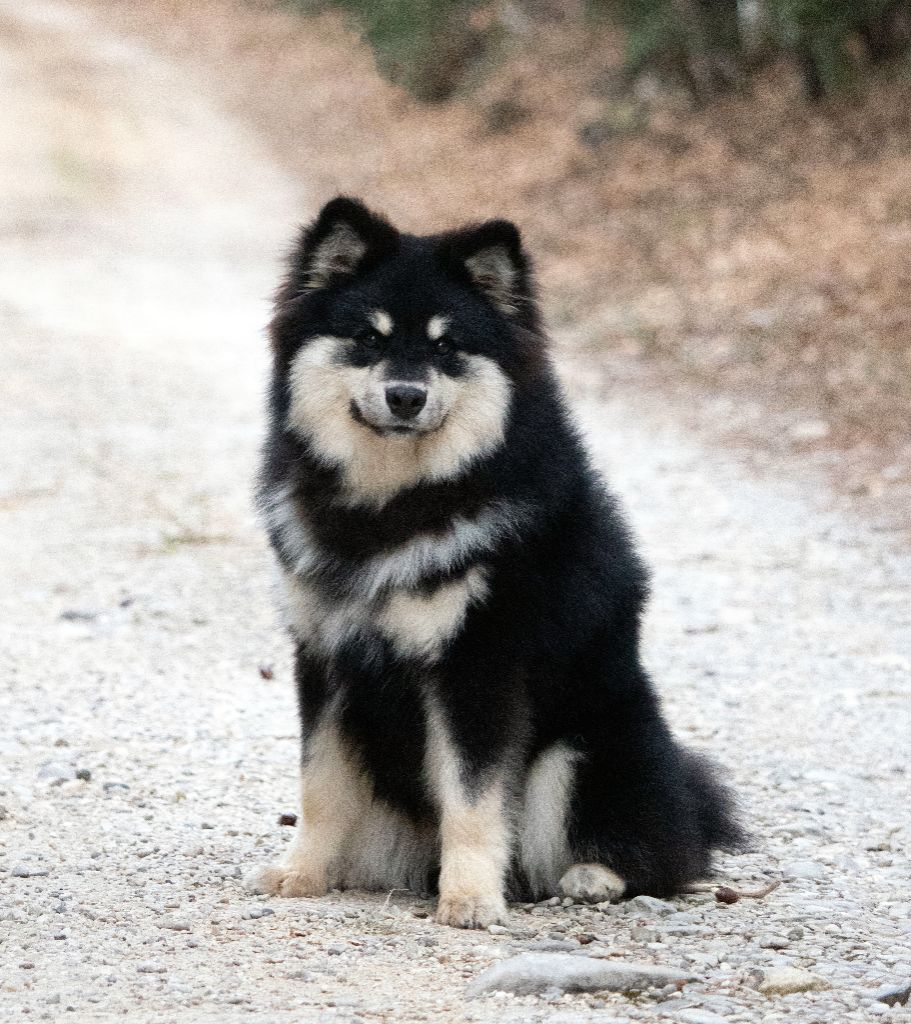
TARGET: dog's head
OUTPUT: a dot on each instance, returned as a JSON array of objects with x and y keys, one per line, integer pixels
[{"x": 397, "y": 355}]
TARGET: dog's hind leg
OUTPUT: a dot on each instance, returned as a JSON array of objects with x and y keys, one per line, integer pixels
[
  {"x": 544, "y": 859},
  {"x": 644, "y": 808},
  {"x": 592, "y": 883}
]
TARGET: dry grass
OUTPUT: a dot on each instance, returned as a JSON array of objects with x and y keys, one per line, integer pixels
[{"x": 760, "y": 249}]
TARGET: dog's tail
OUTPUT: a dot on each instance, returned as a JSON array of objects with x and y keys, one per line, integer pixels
[{"x": 716, "y": 808}]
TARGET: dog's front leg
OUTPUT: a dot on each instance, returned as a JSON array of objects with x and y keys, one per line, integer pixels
[
  {"x": 332, "y": 798},
  {"x": 474, "y": 832}
]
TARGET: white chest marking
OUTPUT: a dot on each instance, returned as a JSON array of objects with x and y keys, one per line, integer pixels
[
  {"x": 381, "y": 596},
  {"x": 427, "y": 554},
  {"x": 420, "y": 624}
]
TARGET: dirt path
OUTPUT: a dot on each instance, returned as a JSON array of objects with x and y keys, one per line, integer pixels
[{"x": 140, "y": 229}]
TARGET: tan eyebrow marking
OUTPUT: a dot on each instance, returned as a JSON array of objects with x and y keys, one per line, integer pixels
[
  {"x": 382, "y": 321},
  {"x": 436, "y": 327}
]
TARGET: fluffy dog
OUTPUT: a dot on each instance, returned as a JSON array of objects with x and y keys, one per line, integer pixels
[{"x": 463, "y": 594}]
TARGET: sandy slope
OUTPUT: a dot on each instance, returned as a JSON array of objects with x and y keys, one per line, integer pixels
[{"x": 140, "y": 229}]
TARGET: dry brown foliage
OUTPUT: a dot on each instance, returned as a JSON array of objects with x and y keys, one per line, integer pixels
[{"x": 759, "y": 249}]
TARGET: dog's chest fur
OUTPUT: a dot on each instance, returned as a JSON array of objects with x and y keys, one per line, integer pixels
[{"x": 410, "y": 598}]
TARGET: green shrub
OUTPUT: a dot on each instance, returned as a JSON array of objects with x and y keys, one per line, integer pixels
[
  {"x": 820, "y": 34},
  {"x": 431, "y": 46},
  {"x": 424, "y": 45}
]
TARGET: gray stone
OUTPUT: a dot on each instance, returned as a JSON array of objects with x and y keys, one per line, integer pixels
[
  {"x": 26, "y": 870},
  {"x": 661, "y": 908},
  {"x": 255, "y": 913},
  {"x": 531, "y": 973},
  {"x": 174, "y": 924},
  {"x": 150, "y": 967},
  {"x": 805, "y": 869},
  {"x": 551, "y": 946},
  {"x": 894, "y": 995},
  {"x": 783, "y": 981},
  {"x": 55, "y": 773},
  {"x": 696, "y": 1016}
]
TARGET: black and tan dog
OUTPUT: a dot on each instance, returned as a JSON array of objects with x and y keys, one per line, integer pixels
[{"x": 463, "y": 594}]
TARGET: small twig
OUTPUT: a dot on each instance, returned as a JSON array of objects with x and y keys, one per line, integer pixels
[
  {"x": 389, "y": 896},
  {"x": 758, "y": 894},
  {"x": 728, "y": 894}
]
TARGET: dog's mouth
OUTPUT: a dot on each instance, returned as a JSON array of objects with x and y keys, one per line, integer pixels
[{"x": 392, "y": 429}]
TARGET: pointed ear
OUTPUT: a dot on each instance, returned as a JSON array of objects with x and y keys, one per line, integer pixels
[
  {"x": 489, "y": 258},
  {"x": 344, "y": 240}
]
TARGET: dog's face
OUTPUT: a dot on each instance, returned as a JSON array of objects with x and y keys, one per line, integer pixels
[{"x": 398, "y": 354}]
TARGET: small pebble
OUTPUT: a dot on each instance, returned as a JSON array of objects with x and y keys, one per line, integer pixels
[
  {"x": 28, "y": 871},
  {"x": 652, "y": 905},
  {"x": 894, "y": 995},
  {"x": 174, "y": 924},
  {"x": 694, "y": 1016},
  {"x": 783, "y": 981},
  {"x": 804, "y": 869},
  {"x": 256, "y": 913},
  {"x": 530, "y": 973},
  {"x": 150, "y": 967}
]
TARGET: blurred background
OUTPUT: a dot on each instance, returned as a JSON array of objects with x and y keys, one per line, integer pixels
[
  {"x": 717, "y": 196},
  {"x": 717, "y": 190}
]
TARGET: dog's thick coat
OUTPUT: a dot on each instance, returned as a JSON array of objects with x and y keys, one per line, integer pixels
[{"x": 463, "y": 593}]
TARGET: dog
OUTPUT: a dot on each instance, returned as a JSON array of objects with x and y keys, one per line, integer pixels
[{"x": 463, "y": 594}]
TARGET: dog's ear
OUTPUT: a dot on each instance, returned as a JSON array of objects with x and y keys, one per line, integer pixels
[
  {"x": 489, "y": 258},
  {"x": 344, "y": 240}
]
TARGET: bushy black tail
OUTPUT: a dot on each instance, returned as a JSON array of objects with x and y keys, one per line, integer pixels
[{"x": 715, "y": 804}]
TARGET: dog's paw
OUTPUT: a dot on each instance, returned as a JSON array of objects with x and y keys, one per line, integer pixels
[
  {"x": 284, "y": 880},
  {"x": 471, "y": 910},
  {"x": 592, "y": 883}
]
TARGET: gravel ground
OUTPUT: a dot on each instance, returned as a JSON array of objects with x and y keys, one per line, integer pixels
[{"x": 150, "y": 740}]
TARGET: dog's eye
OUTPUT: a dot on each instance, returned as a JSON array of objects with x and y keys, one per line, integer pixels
[
  {"x": 444, "y": 345},
  {"x": 368, "y": 337}
]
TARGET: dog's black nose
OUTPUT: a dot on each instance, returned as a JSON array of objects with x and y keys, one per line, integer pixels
[{"x": 406, "y": 400}]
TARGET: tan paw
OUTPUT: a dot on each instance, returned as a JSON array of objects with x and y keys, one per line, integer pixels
[
  {"x": 468, "y": 910},
  {"x": 284, "y": 880},
  {"x": 592, "y": 883}
]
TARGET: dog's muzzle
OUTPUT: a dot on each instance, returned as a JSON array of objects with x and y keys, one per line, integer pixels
[{"x": 405, "y": 401}]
